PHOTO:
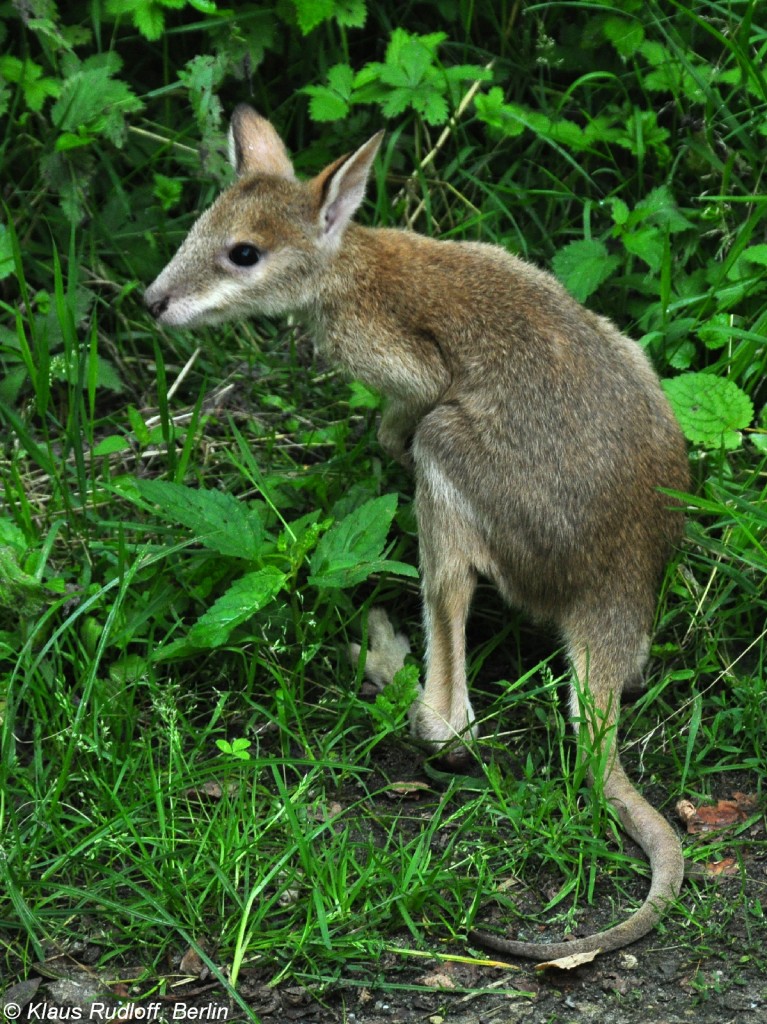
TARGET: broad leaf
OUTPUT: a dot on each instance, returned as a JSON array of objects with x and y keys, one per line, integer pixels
[
  {"x": 351, "y": 550},
  {"x": 243, "y": 599},
  {"x": 218, "y": 520},
  {"x": 583, "y": 265},
  {"x": 711, "y": 410}
]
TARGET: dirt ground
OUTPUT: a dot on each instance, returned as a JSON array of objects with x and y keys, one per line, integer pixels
[
  {"x": 662, "y": 979},
  {"x": 651, "y": 983},
  {"x": 667, "y": 978}
]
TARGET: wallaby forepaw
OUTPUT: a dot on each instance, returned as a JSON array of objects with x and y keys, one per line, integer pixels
[{"x": 386, "y": 651}]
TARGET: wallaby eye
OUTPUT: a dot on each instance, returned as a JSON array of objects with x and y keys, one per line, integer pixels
[{"x": 244, "y": 255}]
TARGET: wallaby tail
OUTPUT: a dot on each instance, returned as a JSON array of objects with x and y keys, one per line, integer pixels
[{"x": 658, "y": 840}]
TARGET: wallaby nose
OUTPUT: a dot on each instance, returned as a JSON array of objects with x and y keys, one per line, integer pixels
[{"x": 156, "y": 306}]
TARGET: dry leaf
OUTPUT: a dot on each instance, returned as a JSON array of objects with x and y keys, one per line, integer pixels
[
  {"x": 324, "y": 812},
  {"x": 193, "y": 966},
  {"x": 408, "y": 790},
  {"x": 567, "y": 963},
  {"x": 711, "y": 817},
  {"x": 19, "y": 995},
  {"x": 211, "y": 791},
  {"x": 437, "y": 979},
  {"x": 723, "y": 868}
]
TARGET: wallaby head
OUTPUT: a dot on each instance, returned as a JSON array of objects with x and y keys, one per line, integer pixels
[{"x": 263, "y": 247}]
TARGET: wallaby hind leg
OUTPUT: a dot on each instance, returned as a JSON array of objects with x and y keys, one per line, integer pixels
[
  {"x": 449, "y": 547},
  {"x": 444, "y": 711},
  {"x": 598, "y": 673}
]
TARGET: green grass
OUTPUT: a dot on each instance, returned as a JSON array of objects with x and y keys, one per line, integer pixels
[{"x": 122, "y": 821}]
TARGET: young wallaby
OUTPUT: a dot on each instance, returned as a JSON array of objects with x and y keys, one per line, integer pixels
[{"x": 537, "y": 434}]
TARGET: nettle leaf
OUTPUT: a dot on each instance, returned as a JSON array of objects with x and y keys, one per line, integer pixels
[
  {"x": 660, "y": 207},
  {"x": 583, "y": 265},
  {"x": 242, "y": 600},
  {"x": 649, "y": 244},
  {"x": 743, "y": 267},
  {"x": 12, "y": 537},
  {"x": 93, "y": 102},
  {"x": 148, "y": 16},
  {"x": 351, "y": 550},
  {"x": 711, "y": 410},
  {"x": 107, "y": 375},
  {"x": 717, "y": 331},
  {"x": 218, "y": 520}
]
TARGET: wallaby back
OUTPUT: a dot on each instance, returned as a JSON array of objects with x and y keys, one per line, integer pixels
[{"x": 538, "y": 435}]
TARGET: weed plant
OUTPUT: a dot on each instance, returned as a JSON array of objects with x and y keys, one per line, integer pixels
[{"x": 193, "y": 527}]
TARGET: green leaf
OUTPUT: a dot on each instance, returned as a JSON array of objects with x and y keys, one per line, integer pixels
[
  {"x": 6, "y": 253},
  {"x": 362, "y": 397},
  {"x": 12, "y": 537},
  {"x": 509, "y": 118},
  {"x": 107, "y": 375},
  {"x": 238, "y": 748},
  {"x": 111, "y": 444},
  {"x": 331, "y": 102},
  {"x": 626, "y": 36},
  {"x": 92, "y": 101},
  {"x": 29, "y": 77},
  {"x": 311, "y": 13},
  {"x": 217, "y": 520},
  {"x": 711, "y": 410},
  {"x": 660, "y": 207},
  {"x": 620, "y": 211},
  {"x": 242, "y": 600},
  {"x": 649, "y": 244},
  {"x": 583, "y": 265},
  {"x": 167, "y": 191},
  {"x": 392, "y": 704},
  {"x": 148, "y": 16},
  {"x": 351, "y": 13},
  {"x": 716, "y": 332},
  {"x": 351, "y": 550},
  {"x": 19, "y": 591}
]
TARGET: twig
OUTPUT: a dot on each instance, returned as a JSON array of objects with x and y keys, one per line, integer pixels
[{"x": 444, "y": 136}]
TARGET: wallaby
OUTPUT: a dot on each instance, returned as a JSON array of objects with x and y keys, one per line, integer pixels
[{"x": 537, "y": 434}]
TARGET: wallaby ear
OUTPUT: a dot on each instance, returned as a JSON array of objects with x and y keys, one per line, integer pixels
[
  {"x": 255, "y": 147},
  {"x": 340, "y": 188}
]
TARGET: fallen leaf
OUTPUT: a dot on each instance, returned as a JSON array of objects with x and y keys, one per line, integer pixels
[
  {"x": 193, "y": 965},
  {"x": 567, "y": 963},
  {"x": 711, "y": 817},
  {"x": 438, "y": 979},
  {"x": 408, "y": 790},
  {"x": 19, "y": 995},
  {"x": 324, "y": 812},
  {"x": 720, "y": 869},
  {"x": 211, "y": 791}
]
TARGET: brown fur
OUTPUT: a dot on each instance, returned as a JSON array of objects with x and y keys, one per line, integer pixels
[{"x": 538, "y": 436}]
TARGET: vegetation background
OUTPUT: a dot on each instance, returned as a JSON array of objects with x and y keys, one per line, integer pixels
[{"x": 193, "y": 527}]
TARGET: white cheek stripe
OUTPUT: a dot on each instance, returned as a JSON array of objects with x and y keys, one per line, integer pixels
[{"x": 189, "y": 309}]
